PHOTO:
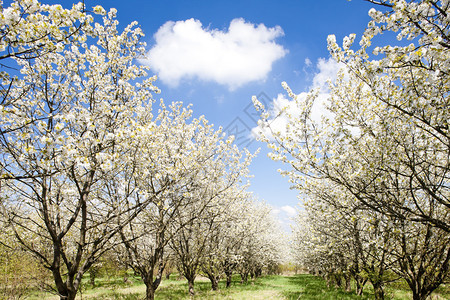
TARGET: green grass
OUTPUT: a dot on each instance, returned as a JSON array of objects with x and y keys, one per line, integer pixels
[{"x": 268, "y": 287}]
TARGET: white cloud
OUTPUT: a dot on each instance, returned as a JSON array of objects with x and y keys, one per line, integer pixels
[
  {"x": 276, "y": 211},
  {"x": 327, "y": 71},
  {"x": 284, "y": 216},
  {"x": 308, "y": 62},
  {"x": 289, "y": 210},
  {"x": 243, "y": 53}
]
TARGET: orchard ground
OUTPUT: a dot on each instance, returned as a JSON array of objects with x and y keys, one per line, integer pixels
[{"x": 300, "y": 286}]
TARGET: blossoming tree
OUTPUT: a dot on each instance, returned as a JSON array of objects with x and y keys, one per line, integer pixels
[
  {"x": 66, "y": 124},
  {"x": 385, "y": 138}
]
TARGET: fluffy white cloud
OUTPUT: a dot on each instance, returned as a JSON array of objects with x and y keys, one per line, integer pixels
[
  {"x": 243, "y": 53},
  {"x": 289, "y": 210},
  {"x": 328, "y": 70},
  {"x": 284, "y": 216},
  {"x": 282, "y": 105}
]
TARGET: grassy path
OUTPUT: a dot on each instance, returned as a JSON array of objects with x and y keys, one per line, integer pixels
[{"x": 268, "y": 287}]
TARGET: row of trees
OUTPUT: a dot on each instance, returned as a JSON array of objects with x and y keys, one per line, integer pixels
[
  {"x": 374, "y": 171},
  {"x": 89, "y": 166}
]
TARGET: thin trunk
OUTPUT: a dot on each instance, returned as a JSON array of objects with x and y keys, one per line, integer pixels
[
  {"x": 338, "y": 280},
  {"x": 244, "y": 277},
  {"x": 92, "y": 275},
  {"x": 191, "y": 287},
  {"x": 229, "y": 278},
  {"x": 348, "y": 281},
  {"x": 360, "y": 285}
]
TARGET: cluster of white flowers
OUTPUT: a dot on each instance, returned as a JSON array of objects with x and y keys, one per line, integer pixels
[
  {"x": 380, "y": 163},
  {"x": 81, "y": 148}
]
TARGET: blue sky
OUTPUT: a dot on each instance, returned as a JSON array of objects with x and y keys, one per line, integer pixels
[{"x": 268, "y": 42}]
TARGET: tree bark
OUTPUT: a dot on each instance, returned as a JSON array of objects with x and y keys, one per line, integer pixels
[
  {"x": 348, "y": 283},
  {"x": 92, "y": 275},
  {"x": 229, "y": 278},
  {"x": 150, "y": 284},
  {"x": 360, "y": 285},
  {"x": 214, "y": 280},
  {"x": 214, "y": 283},
  {"x": 244, "y": 277},
  {"x": 378, "y": 290},
  {"x": 149, "y": 292},
  {"x": 191, "y": 287}
]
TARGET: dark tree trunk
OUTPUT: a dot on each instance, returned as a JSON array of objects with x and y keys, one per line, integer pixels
[
  {"x": 348, "y": 283},
  {"x": 69, "y": 294},
  {"x": 214, "y": 284},
  {"x": 151, "y": 286},
  {"x": 419, "y": 293},
  {"x": 338, "y": 280},
  {"x": 67, "y": 290},
  {"x": 419, "y": 296},
  {"x": 191, "y": 287},
  {"x": 229, "y": 278},
  {"x": 258, "y": 272},
  {"x": 92, "y": 274},
  {"x": 149, "y": 292},
  {"x": 214, "y": 281},
  {"x": 151, "y": 283},
  {"x": 378, "y": 290},
  {"x": 360, "y": 283},
  {"x": 244, "y": 277}
]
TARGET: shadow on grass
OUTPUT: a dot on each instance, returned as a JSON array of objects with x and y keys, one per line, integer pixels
[
  {"x": 179, "y": 289},
  {"x": 113, "y": 281},
  {"x": 311, "y": 287},
  {"x": 289, "y": 287},
  {"x": 119, "y": 296}
]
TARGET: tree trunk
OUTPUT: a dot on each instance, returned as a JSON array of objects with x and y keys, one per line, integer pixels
[
  {"x": 69, "y": 295},
  {"x": 214, "y": 284},
  {"x": 338, "y": 280},
  {"x": 92, "y": 275},
  {"x": 66, "y": 290},
  {"x": 359, "y": 289},
  {"x": 149, "y": 292},
  {"x": 214, "y": 280},
  {"x": 244, "y": 277},
  {"x": 150, "y": 284},
  {"x": 348, "y": 283},
  {"x": 360, "y": 285},
  {"x": 329, "y": 279},
  {"x": 378, "y": 290},
  {"x": 258, "y": 272},
  {"x": 419, "y": 296},
  {"x": 229, "y": 278},
  {"x": 191, "y": 287},
  {"x": 419, "y": 293}
]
